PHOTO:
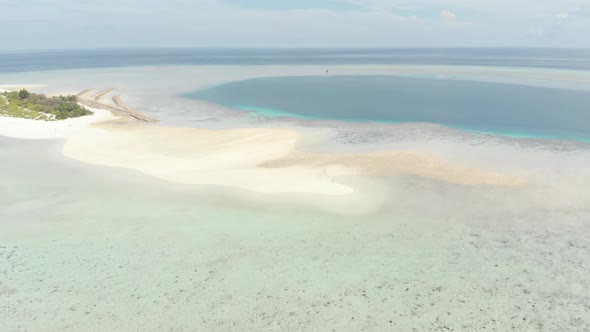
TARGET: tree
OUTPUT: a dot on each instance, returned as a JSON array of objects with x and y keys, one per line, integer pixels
[{"x": 23, "y": 94}]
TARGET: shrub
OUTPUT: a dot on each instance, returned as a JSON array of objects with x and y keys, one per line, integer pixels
[
  {"x": 39, "y": 106},
  {"x": 23, "y": 94}
]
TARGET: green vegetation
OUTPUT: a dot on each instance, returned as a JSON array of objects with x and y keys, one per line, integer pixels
[{"x": 24, "y": 104}]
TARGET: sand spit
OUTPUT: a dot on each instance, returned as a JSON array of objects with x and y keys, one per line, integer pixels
[
  {"x": 103, "y": 93},
  {"x": 83, "y": 93},
  {"x": 398, "y": 162},
  {"x": 120, "y": 108},
  {"x": 260, "y": 160},
  {"x": 203, "y": 156},
  {"x": 256, "y": 159},
  {"x": 131, "y": 111}
]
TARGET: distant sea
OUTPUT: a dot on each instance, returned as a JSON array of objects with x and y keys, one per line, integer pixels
[
  {"x": 513, "y": 110},
  {"x": 11, "y": 62}
]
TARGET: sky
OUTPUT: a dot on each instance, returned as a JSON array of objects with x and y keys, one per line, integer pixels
[{"x": 67, "y": 24}]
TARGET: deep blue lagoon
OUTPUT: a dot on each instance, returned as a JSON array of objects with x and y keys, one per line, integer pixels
[{"x": 481, "y": 106}]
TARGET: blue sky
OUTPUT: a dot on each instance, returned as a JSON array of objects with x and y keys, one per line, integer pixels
[{"x": 58, "y": 24}]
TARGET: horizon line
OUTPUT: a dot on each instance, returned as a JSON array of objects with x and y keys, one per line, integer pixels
[{"x": 83, "y": 49}]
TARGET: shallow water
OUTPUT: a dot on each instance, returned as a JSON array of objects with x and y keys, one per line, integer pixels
[
  {"x": 94, "y": 248},
  {"x": 97, "y": 248},
  {"x": 89, "y": 248}
]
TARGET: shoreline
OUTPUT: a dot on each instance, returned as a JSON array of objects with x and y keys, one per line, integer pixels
[
  {"x": 118, "y": 107},
  {"x": 214, "y": 219},
  {"x": 261, "y": 160}
]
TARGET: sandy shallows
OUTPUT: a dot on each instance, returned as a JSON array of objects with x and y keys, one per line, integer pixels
[{"x": 260, "y": 160}]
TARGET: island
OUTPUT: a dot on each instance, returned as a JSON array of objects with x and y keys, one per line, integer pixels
[{"x": 28, "y": 105}]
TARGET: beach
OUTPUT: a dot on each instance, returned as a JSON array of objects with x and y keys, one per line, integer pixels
[
  {"x": 80, "y": 245},
  {"x": 264, "y": 160},
  {"x": 211, "y": 218}
]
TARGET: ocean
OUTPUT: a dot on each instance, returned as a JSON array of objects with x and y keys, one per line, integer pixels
[
  {"x": 88, "y": 247},
  {"x": 512, "y": 57},
  {"x": 481, "y": 106},
  {"x": 491, "y": 107}
]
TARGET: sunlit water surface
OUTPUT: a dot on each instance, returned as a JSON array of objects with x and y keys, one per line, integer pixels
[{"x": 95, "y": 248}]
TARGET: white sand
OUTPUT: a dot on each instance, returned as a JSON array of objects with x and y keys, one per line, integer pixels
[
  {"x": 14, "y": 87},
  {"x": 202, "y": 156},
  {"x": 33, "y": 129},
  {"x": 262, "y": 160},
  {"x": 96, "y": 249},
  {"x": 259, "y": 160},
  {"x": 227, "y": 158}
]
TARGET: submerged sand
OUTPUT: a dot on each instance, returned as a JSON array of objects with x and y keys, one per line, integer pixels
[
  {"x": 264, "y": 160},
  {"x": 448, "y": 244},
  {"x": 86, "y": 248}
]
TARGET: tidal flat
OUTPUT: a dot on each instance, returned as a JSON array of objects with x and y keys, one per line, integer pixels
[
  {"x": 88, "y": 246},
  {"x": 94, "y": 248}
]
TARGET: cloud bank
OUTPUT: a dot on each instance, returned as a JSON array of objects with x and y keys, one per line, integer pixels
[{"x": 51, "y": 24}]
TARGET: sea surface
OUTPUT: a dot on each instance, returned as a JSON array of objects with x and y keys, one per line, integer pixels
[
  {"x": 506, "y": 109},
  {"x": 93, "y": 248},
  {"x": 511, "y": 109},
  {"x": 77, "y": 59},
  {"x": 90, "y": 248}
]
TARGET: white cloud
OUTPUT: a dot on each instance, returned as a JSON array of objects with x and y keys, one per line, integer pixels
[
  {"x": 448, "y": 16},
  {"x": 450, "y": 19},
  {"x": 524, "y": 9},
  {"x": 582, "y": 12},
  {"x": 561, "y": 19},
  {"x": 552, "y": 27},
  {"x": 215, "y": 23}
]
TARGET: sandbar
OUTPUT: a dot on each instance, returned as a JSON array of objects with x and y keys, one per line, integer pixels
[{"x": 262, "y": 160}]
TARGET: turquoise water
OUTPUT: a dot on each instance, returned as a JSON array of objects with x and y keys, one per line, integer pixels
[
  {"x": 89, "y": 248},
  {"x": 504, "y": 109}
]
